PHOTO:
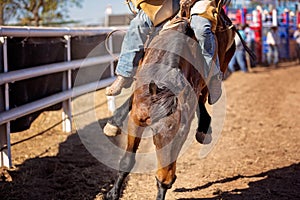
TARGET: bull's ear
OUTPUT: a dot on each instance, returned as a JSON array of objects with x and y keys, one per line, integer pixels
[{"x": 152, "y": 88}]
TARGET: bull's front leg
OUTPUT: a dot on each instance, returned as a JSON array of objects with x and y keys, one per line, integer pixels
[
  {"x": 164, "y": 180},
  {"x": 114, "y": 193},
  {"x": 127, "y": 162}
]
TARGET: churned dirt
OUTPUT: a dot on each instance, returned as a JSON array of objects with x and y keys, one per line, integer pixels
[{"x": 257, "y": 155}]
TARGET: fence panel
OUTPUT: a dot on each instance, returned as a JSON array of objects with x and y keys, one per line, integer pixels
[{"x": 23, "y": 73}]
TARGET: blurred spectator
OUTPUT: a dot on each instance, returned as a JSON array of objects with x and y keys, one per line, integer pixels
[
  {"x": 238, "y": 58},
  {"x": 273, "y": 42},
  {"x": 250, "y": 41},
  {"x": 297, "y": 38}
]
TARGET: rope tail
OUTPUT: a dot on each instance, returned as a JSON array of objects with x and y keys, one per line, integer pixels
[
  {"x": 107, "y": 45},
  {"x": 130, "y": 8},
  {"x": 226, "y": 19}
]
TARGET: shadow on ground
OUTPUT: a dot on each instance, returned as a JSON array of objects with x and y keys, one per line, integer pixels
[
  {"x": 72, "y": 174},
  {"x": 282, "y": 184}
]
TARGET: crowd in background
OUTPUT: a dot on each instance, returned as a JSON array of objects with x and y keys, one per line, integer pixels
[
  {"x": 241, "y": 59},
  {"x": 297, "y": 38}
]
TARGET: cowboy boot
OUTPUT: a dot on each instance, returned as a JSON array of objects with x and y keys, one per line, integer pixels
[
  {"x": 203, "y": 138},
  {"x": 117, "y": 85},
  {"x": 215, "y": 88},
  {"x": 204, "y": 132},
  {"x": 111, "y": 130}
]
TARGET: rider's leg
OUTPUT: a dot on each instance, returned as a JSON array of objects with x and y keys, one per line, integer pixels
[
  {"x": 206, "y": 38},
  {"x": 203, "y": 134},
  {"x": 203, "y": 31},
  {"x": 131, "y": 52},
  {"x": 114, "y": 125}
]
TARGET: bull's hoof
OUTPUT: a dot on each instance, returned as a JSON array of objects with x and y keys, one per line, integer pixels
[
  {"x": 112, "y": 195},
  {"x": 100, "y": 196}
]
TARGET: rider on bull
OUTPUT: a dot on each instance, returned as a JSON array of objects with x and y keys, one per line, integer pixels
[{"x": 152, "y": 13}]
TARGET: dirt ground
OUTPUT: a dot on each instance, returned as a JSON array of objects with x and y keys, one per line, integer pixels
[{"x": 256, "y": 157}]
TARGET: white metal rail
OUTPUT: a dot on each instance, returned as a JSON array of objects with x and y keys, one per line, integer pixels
[{"x": 68, "y": 92}]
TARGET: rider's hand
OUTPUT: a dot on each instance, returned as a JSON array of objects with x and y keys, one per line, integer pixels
[{"x": 185, "y": 7}]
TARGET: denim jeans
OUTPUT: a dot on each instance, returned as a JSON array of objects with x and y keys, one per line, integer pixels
[
  {"x": 207, "y": 42},
  {"x": 136, "y": 36},
  {"x": 298, "y": 52},
  {"x": 238, "y": 58},
  {"x": 273, "y": 55},
  {"x": 133, "y": 44}
]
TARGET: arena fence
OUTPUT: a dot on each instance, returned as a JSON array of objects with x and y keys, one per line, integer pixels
[{"x": 68, "y": 91}]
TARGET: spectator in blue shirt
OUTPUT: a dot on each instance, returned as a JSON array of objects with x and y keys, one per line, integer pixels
[{"x": 239, "y": 57}]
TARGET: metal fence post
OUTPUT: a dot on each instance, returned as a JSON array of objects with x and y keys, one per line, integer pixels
[
  {"x": 67, "y": 84},
  {"x": 8, "y": 114},
  {"x": 111, "y": 101},
  {"x": 5, "y": 145},
  {"x": 111, "y": 48}
]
